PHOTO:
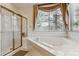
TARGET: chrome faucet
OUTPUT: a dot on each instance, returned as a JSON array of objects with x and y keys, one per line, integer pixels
[{"x": 37, "y": 39}]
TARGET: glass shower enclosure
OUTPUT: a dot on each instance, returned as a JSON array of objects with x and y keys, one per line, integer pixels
[
  {"x": 0, "y": 30},
  {"x": 10, "y": 31}
]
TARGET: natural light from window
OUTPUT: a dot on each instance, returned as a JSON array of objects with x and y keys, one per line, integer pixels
[{"x": 49, "y": 21}]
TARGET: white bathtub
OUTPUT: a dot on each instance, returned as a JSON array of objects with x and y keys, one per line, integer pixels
[{"x": 57, "y": 46}]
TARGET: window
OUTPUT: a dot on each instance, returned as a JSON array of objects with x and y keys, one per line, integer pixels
[
  {"x": 49, "y": 21},
  {"x": 74, "y": 17}
]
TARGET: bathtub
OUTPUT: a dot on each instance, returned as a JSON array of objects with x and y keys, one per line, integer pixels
[{"x": 57, "y": 46}]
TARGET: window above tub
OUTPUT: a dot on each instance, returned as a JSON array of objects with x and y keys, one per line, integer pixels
[
  {"x": 49, "y": 18},
  {"x": 49, "y": 21},
  {"x": 74, "y": 17}
]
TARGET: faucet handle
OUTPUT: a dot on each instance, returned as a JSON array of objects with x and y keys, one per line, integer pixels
[{"x": 37, "y": 38}]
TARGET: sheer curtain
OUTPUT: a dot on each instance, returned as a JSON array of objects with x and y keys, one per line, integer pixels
[{"x": 6, "y": 34}]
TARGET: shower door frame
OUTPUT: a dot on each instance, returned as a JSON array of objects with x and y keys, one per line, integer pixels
[
  {"x": 0, "y": 34},
  {"x": 13, "y": 31}
]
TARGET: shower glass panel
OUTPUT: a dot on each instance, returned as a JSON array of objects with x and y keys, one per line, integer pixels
[
  {"x": 17, "y": 31},
  {"x": 0, "y": 30},
  {"x": 6, "y": 33},
  {"x": 10, "y": 31},
  {"x": 24, "y": 26}
]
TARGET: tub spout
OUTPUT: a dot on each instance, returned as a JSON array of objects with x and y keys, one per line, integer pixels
[{"x": 37, "y": 39}]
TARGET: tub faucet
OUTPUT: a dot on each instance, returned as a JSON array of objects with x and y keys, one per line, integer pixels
[{"x": 37, "y": 39}]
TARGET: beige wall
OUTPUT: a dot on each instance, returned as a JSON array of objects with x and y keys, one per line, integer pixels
[{"x": 9, "y": 6}]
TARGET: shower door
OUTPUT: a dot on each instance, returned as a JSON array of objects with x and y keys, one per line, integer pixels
[
  {"x": 10, "y": 31},
  {"x": 24, "y": 32},
  {"x": 17, "y": 31},
  {"x": 24, "y": 26},
  {"x": 6, "y": 33},
  {"x": 0, "y": 30}
]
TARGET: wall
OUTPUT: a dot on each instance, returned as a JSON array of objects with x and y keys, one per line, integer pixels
[{"x": 9, "y": 6}]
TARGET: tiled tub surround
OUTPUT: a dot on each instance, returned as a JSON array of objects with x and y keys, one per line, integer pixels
[{"x": 54, "y": 46}]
